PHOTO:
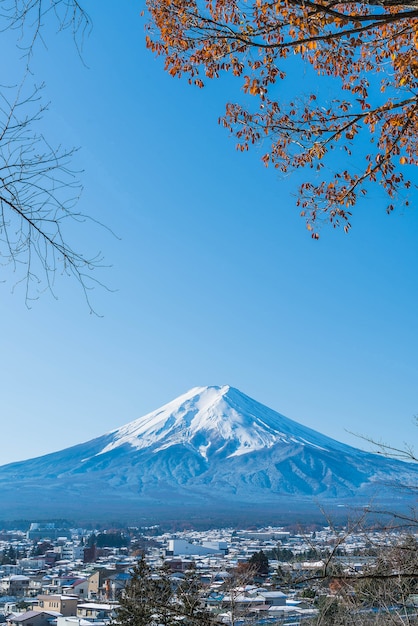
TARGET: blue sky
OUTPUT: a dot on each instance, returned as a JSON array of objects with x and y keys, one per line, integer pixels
[{"x": 214, "y": 278}]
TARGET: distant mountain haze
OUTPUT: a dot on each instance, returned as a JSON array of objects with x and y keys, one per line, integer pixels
[{"x": 210, "y": 451}]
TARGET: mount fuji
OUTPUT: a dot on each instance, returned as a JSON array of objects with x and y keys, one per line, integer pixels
[{"x": 210, "y": 450}]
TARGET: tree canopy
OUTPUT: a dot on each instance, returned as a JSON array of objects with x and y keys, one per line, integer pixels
[
  {"x": 362, "y": 137},
  {"x": 152, "y": 598},
  {"x": 259, "y": 561}
]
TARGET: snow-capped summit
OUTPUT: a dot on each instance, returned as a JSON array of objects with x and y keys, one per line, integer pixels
[
  {"x": 211, "y": 448},
  {"x": 208, "y": 419}
]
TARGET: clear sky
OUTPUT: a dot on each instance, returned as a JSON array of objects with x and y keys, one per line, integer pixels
[{"x": 214, "y": 278}]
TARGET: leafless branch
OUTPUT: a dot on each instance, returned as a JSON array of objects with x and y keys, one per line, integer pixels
[{"x": 38, "y": 193}]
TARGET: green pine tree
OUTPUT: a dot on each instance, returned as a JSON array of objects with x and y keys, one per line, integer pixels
[
  {"x": 152, "y": 599},
  {"x": 136, "y": 606}
]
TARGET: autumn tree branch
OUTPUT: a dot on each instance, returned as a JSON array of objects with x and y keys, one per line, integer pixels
[{"x": 354, "y": 42}]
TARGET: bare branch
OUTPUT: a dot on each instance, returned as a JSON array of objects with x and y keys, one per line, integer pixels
[{"x": 38, "y": 192}]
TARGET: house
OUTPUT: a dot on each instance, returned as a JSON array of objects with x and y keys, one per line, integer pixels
[
  {"x": 114, "y": 584},
  {"x": 274, "y": 598},
  {"x": 96, "y": 582},
  {"x": 62, "y": 603},
  {"x": 77, "y": 587},
  {"x": 15, "y": 585},
  {"x": 78, "y": 621},
  {"x": 33, "y": 618},
  {"x": 179, "y": 565},
  {"x": 72, "y": 585},
  {"x": 97, "y": 610}
]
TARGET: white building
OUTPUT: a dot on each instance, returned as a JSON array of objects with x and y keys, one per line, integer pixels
[{"x": 181, "y": 547}]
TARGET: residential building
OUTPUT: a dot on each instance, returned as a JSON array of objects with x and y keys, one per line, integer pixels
[{"x": 62, "y": 603}]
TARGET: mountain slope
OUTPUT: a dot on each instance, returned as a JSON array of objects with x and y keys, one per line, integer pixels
[{"x": 211, "y": 447}]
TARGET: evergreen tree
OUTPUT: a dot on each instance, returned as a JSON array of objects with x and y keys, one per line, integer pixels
[
  {"x": 260, "y": 563},
  {"x": 9, "y": 556},
  {"x": 136, "y": 603},
  {"x": 151, "y": 599}
]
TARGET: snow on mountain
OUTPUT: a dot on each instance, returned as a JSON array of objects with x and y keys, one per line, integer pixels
[
  {"x": 202, "y": 413},
  {"x": 211, "y": 414},
  {"x": 211, "y": 447}
]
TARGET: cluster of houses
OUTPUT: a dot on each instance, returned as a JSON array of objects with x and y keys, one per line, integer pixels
[{"x": 59, "y": 577}]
